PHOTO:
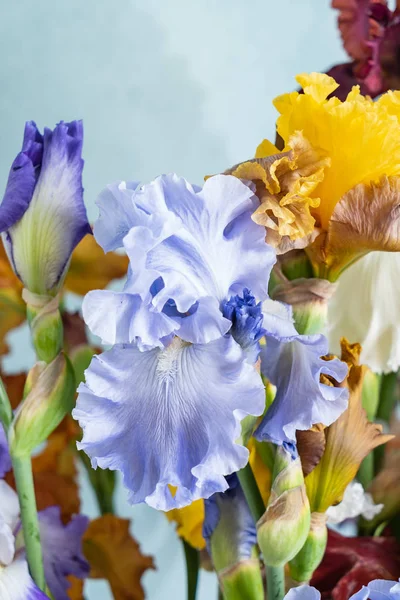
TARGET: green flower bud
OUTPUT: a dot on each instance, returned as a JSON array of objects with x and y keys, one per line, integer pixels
[
  {"x": 283, "y": 529},
  {"x": 243, "y": 580},
  {"x": 307, "y": 560},
  {"x": 45, "y": 324},
  {"x": 51, "y": 397}
]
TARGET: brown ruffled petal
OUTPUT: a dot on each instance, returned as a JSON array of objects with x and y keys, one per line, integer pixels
[
  {"x": 113, "y": 554},
  {"x": 366, "y": 218}
]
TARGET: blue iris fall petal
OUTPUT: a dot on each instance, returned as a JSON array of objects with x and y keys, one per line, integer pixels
[
  {"x": 200, "y": 243},
  {"x": 42, "y": 216},
  {"x": 169, "y": 416},
  {"x": 294, "y": 365}
]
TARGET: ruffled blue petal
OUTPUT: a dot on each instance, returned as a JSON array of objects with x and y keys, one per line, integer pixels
[
  {"x": 22, "y": 179},
  {"x": 128, "y": 320},
  {"x": 198, "y": 247},
  {"x": 228, "y": 522},
  {"x": 294, "y": 365},
  {"x": 5, "y": 459},
  {"x": 169, "y": 416},
  {"x": 303, "y": 592},
  {"x": 17, "y": 584},
  {"x": 62, "y": 550},
  {"x": 116, "y": 214},
  {"x": 41, "y": 235}
]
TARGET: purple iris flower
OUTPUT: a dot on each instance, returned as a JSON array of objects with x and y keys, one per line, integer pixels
[{"x": 42, "y": 216}]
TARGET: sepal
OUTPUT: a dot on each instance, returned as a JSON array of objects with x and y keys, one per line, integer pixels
[{"x": 45, "y": 324}]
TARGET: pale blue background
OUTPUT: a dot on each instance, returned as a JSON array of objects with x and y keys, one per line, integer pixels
[{"x": 183, "y": 85}]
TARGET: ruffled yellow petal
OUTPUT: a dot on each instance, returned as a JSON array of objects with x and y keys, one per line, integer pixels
[
  {"x": 317, "y": 85},
  {"x": 91, "y": 269},
  {"x": 189, "y": 521},
  {"x": 266, "y": 148},
  {"x": 284, "y": 184},
  {"x": 285, "y": 205},
  {"x": 360, "y": 137}
]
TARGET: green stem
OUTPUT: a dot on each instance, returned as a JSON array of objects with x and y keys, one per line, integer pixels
[
  {"x": 6, "y": 415},
  {"x": 251, "y": 492},
  {"x": 388, "y": 397},
  {"x": 30, "y": 523},
  {"x": 275, "y": 575},
  {"x": 275, "y": 583},
  {"x": 192, "y": 569},
  {"x": 387, "y": 401},
  {"x": 366, "y": 471},
  {"x": 103, "y": 485}
]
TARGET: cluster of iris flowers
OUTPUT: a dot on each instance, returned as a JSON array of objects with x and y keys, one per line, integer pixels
[{"x": 225, "y": 397}]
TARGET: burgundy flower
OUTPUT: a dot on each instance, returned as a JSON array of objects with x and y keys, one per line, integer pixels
[
  {"x": 350, "y": 563},
  {"x": 370, "y": 33}
]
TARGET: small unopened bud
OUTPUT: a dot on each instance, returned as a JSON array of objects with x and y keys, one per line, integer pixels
[
  {"x": 283, "y": 529},
  {"x": 50, "y": 398},
  {"x": 45, "y": 324},
  {"x": 230, "y": 533},
  {"x": 307, "y": 560}
]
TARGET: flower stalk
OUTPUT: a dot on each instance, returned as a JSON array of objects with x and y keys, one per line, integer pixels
[
  {"x": 275, "y": 575},
  {"x": 22, "y": 467}
]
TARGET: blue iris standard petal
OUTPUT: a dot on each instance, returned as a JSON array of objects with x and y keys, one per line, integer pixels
[
  {"x": 247, "y": 319},
  {"x": 169, "y": 417},
  {"x": 295, "y": 365},
  {"x": 201, "y": 243},
  {"x": 228, "y": 524},
  {"x": 62, "y": 550},
  {"x": 42, "y": 216}
]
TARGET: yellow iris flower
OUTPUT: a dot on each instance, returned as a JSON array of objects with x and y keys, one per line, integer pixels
[{"x": 361, "y": 137}]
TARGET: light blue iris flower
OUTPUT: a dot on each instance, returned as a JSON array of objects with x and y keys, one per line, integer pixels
[{"x": 164, "y": 406}]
